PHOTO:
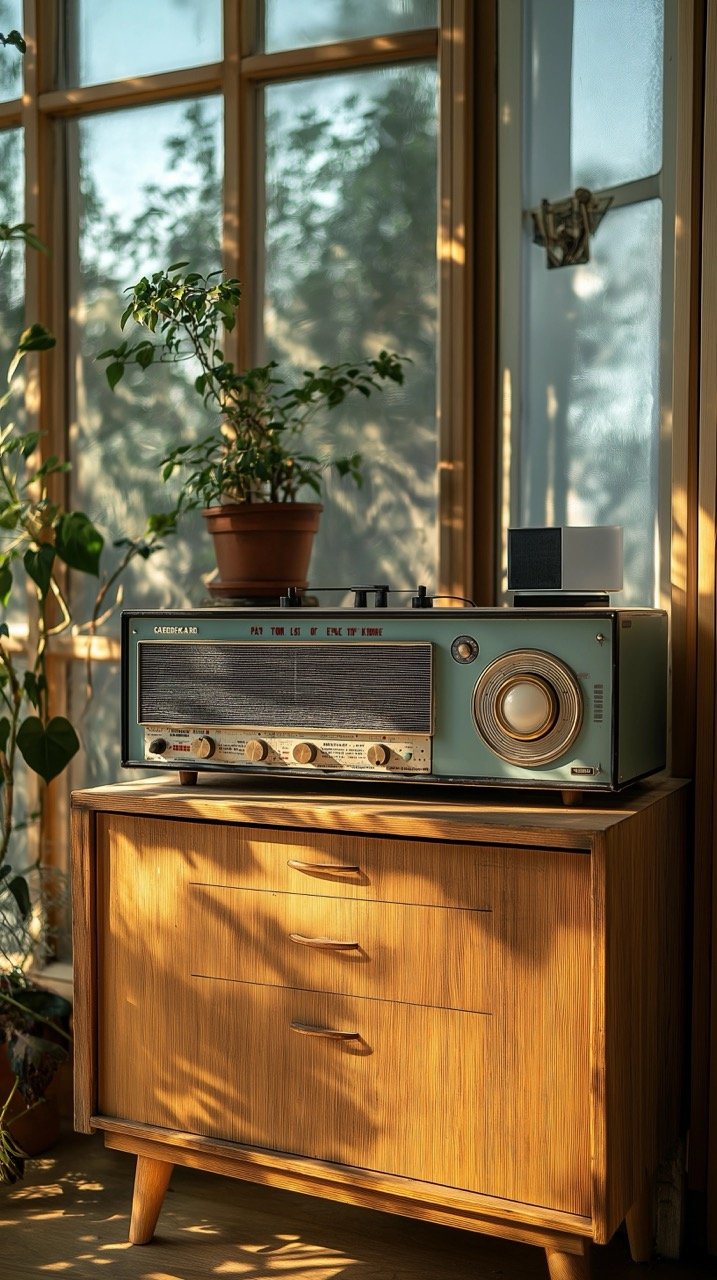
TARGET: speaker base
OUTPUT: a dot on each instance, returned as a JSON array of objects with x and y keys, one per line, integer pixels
[{"x": 561, "y": 600}]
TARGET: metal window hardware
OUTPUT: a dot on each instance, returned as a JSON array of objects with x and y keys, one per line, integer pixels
[{"x": 565, "y": 226}]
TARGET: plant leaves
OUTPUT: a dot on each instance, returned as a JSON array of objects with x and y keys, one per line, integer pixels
[
  {"x": 20, "y": 892},
  {"x": 39, "y": 566},
  {"x": 5, "y": 582},
  {"x": 47, "y": 749},
  {"x": 114, "y": 372},
  {"x": 34, "y": 686},
  {"x": 36, "y": 338},
  {"x": 79, "y": 543}
]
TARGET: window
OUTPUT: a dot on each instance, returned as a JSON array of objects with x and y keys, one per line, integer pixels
[
  {"x": 586, "y": 352},
  {"x": 298, "y": 147}
]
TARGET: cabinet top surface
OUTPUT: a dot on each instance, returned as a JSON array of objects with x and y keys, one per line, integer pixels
[{"x": 470, "y": 815}]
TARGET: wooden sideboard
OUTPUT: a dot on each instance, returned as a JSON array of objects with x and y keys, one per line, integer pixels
[{"x": 463, "y": 1010}]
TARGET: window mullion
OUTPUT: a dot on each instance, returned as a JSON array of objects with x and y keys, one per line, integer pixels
[
  {"x": 45, "y": 302},
  {"x": 455, "y": 389},
  {"x": 234, "y": 161},
  {"x": 11, "y": 113},
  {"x": 298, "y": 63}
]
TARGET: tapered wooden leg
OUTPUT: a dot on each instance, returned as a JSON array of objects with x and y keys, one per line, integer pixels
[
  {"x": 639, "y": 1225},
  {"x": 151, "y": 1180},
  {"x": 569, "y": 1265}
]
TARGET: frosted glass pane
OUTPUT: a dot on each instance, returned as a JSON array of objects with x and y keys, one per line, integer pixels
[
  {"x": 10, "y": 57},
  {"x": 140, "y": 210},
  {"x": 591, "y": 421},
  {"x": 109, "y": 41},
  {"x": 351, "y": 268},
  {"x": 291, "y": 25},
  {"x": 616, "y": 108}
]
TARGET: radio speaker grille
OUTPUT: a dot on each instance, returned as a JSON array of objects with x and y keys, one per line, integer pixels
[{"x": 379, "y": 687}]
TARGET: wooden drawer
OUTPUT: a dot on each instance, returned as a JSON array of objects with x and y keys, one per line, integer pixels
[
  {"x": 418, "y": 955},
  {"x": 416, "y": 1092},
  {"x": 338, "y": 866}
]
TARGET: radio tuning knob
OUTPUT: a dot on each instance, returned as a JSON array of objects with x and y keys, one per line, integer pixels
[
  {"x": 304, "y": 752},
  {"x": 256, "y": 750},
  {"x": 158, "y": 746},
  {"x": 378, "y": 753},
  {"x": 204, "y": 748}
]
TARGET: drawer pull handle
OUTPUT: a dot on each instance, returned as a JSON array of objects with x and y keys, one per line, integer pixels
[
  {"x": 324, "y": 944},
  {"x": 323, "y": 868},
  {"x": 324, "y": 1033}
]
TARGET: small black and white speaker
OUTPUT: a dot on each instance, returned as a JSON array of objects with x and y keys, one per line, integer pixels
[{"x": 566, "y": 558}]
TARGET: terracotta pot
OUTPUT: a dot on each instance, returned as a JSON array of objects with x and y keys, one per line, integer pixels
[{"x": 262, "y": 548}]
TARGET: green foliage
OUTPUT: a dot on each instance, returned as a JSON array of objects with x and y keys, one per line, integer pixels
[
  {"x": 47, "y": 747},
  {"x": 257, "y": 452}
]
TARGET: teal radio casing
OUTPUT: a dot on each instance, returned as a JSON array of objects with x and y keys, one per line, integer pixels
[{"x": 568, "y": 698}]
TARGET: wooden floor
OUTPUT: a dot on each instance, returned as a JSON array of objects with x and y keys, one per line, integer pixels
[{"x": 69, "y": 1218}]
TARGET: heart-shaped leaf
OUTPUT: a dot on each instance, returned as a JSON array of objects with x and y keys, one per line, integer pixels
[
  {"x": 39, "y": 566},
  {"x": 79, "y": 543},
  {"x": 49, "y": 748}
]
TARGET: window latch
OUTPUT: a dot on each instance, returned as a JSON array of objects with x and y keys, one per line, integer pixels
[{"x": 564, "y": 227}]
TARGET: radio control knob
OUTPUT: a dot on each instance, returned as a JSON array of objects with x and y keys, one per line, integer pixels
[
  {"x": 158, "y": 746},
  {"x": 378, "y": 753},
  {"x": 256, "y": 750},
  {"x": 304, "y": 752},
  {"x": 203, "y": 748}
]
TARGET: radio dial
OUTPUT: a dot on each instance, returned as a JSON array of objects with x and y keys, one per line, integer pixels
[
  {"x": 256, "y": 750},
  {"x": 158, "y": 746},
  {"x": 378, "y": 753},
  {"x": 304, "y": 752},
  {"x": 204, "y": 748}
]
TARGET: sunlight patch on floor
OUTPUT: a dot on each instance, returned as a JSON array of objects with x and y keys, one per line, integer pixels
[
  {"x": 292, "y": 1259},
  {"x": 44, "y": 1192},
  {"x": 54, "y": 1214}
]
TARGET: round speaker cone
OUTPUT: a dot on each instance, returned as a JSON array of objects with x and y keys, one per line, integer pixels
[{"x": 528, "y": 707}]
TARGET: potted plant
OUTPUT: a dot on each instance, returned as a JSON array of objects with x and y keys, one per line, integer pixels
[{"x": 249, "y": 472}]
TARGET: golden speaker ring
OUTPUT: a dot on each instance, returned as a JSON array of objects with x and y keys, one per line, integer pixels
[{"x": 562, "y": 723}]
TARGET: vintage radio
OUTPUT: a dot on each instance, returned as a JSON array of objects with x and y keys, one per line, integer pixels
[{"x": 569, "y": 698}]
